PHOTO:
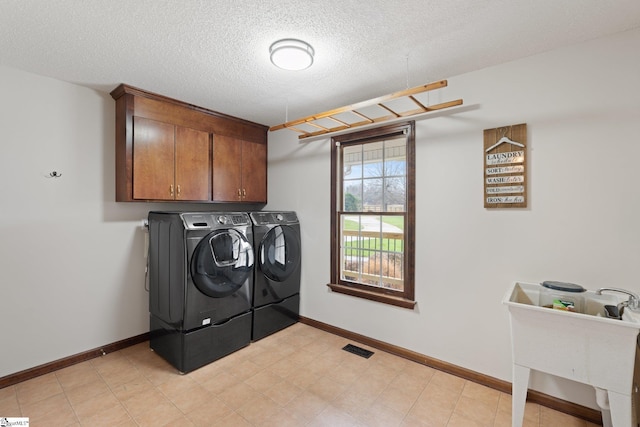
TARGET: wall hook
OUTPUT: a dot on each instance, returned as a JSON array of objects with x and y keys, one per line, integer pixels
[{"x": 55, "y": 174}]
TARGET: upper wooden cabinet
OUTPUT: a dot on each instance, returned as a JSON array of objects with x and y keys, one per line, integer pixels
[
  {"x": 167, "y": 150},
  {"x": 239, "y": 170},
  {"x": 254, "y": 172},
  {"x": 170, "y": 162}
]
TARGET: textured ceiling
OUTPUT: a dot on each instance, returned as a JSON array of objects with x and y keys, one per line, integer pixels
[{"x": 214, "y": 53}]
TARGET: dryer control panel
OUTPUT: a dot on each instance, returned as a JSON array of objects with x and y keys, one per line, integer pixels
[{"x": 266, "y": 218}]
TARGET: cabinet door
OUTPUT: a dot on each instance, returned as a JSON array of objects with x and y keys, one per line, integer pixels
[
  {"x": 227, "y": 178},
  {"x": 192, "y": 164},
  {"x": 254, "y": 172},
  {"x": 153, "y": 160}
]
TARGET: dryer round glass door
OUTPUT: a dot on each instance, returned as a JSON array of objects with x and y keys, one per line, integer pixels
[
  {"x": 279, "y": 253},
  {"x": 221, "y": 263}
]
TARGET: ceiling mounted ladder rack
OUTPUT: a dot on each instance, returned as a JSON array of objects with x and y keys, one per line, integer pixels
[{"x": 377, "y": 110}]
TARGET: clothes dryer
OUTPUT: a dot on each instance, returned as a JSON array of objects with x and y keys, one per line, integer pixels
[
  {"x": 276, "y": 296},
  {"x": 200, "y": 285}
]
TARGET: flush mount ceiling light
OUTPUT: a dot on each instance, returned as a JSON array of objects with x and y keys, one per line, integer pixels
[{"x": 291, "y": 54}]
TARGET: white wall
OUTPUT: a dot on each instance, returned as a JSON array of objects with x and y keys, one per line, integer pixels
[
  {"x": 71, "y": 258},
  {"x": 72, "y": 275},
  {"x": 582, "y": 109}
]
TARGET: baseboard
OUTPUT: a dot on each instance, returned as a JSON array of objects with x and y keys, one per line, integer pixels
[
  {"x": 570, "y": 408},
  {"x": 564, "y": 406},
  {"x": 28, "y": 374}
]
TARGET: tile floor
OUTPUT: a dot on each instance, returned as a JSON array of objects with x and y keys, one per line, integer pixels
[{"x": 297, "y": 377}]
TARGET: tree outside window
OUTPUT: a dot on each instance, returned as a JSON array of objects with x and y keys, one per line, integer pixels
[{"x": 373, "y": 214}]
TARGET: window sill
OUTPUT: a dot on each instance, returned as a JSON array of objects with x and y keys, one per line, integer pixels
[{"x": 373, "y": 296}]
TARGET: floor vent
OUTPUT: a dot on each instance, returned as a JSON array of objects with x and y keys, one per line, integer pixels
[{"x": 358, "y": 350}]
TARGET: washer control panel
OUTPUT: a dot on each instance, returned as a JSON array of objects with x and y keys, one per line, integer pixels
[{"x": 204, "y": 220}]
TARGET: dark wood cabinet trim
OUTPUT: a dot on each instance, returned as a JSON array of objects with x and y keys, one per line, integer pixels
[
  {"x": 373, "y": 296},
  {"x": 570, "y": 408},
  {"x": 219, "y": 123},
  {"x": 124, "y": 146},
  {"x": 28, "y": 374},
  {"x": 133, "y": 102},
  {"x": 564, "y": 406},
  {"x": 365, "y": 291}
]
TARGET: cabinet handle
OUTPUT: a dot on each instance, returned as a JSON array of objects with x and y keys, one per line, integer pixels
[
  {"x": 171, "y": 190},
  {"x": 244, "y": 193},
  {"x": 178, "y": 188},
  {"x": 239, "y": 193}
]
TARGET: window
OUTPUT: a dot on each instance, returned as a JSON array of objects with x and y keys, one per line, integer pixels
[{"x": 373, "y": 205}]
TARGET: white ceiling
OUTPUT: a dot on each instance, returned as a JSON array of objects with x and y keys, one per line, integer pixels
[{"x": 214, "y": 53}]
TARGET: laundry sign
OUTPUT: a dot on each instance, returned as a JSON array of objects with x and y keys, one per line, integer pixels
[
  {"x": 504, "y": 179},
  {"x": 503, "y": 190},
  {"x": 502, "y": 158},
  {"x": 506, "y": 199},
  {"x": 505, "y": 167}
]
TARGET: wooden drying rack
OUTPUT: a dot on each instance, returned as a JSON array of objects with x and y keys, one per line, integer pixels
[{"x": 365, "y": 120}]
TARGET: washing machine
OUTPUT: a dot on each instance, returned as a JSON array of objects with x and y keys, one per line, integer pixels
[
  {"x": 276, "y": 294},
  {"x": 200, "y": 285}
]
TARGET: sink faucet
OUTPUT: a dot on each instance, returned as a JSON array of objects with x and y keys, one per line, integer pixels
[{"x": 634, "y": 300}]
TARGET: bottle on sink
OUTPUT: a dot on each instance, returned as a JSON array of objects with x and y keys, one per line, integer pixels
[{"x": 562, "y": 296}]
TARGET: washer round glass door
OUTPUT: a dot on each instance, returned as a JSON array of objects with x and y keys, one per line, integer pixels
[
  {"x": 221, "y": 263},
  {"x": 279, "y": 253}
]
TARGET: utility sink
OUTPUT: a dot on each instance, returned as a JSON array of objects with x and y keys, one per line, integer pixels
[{"x": 584, "y": 347}]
